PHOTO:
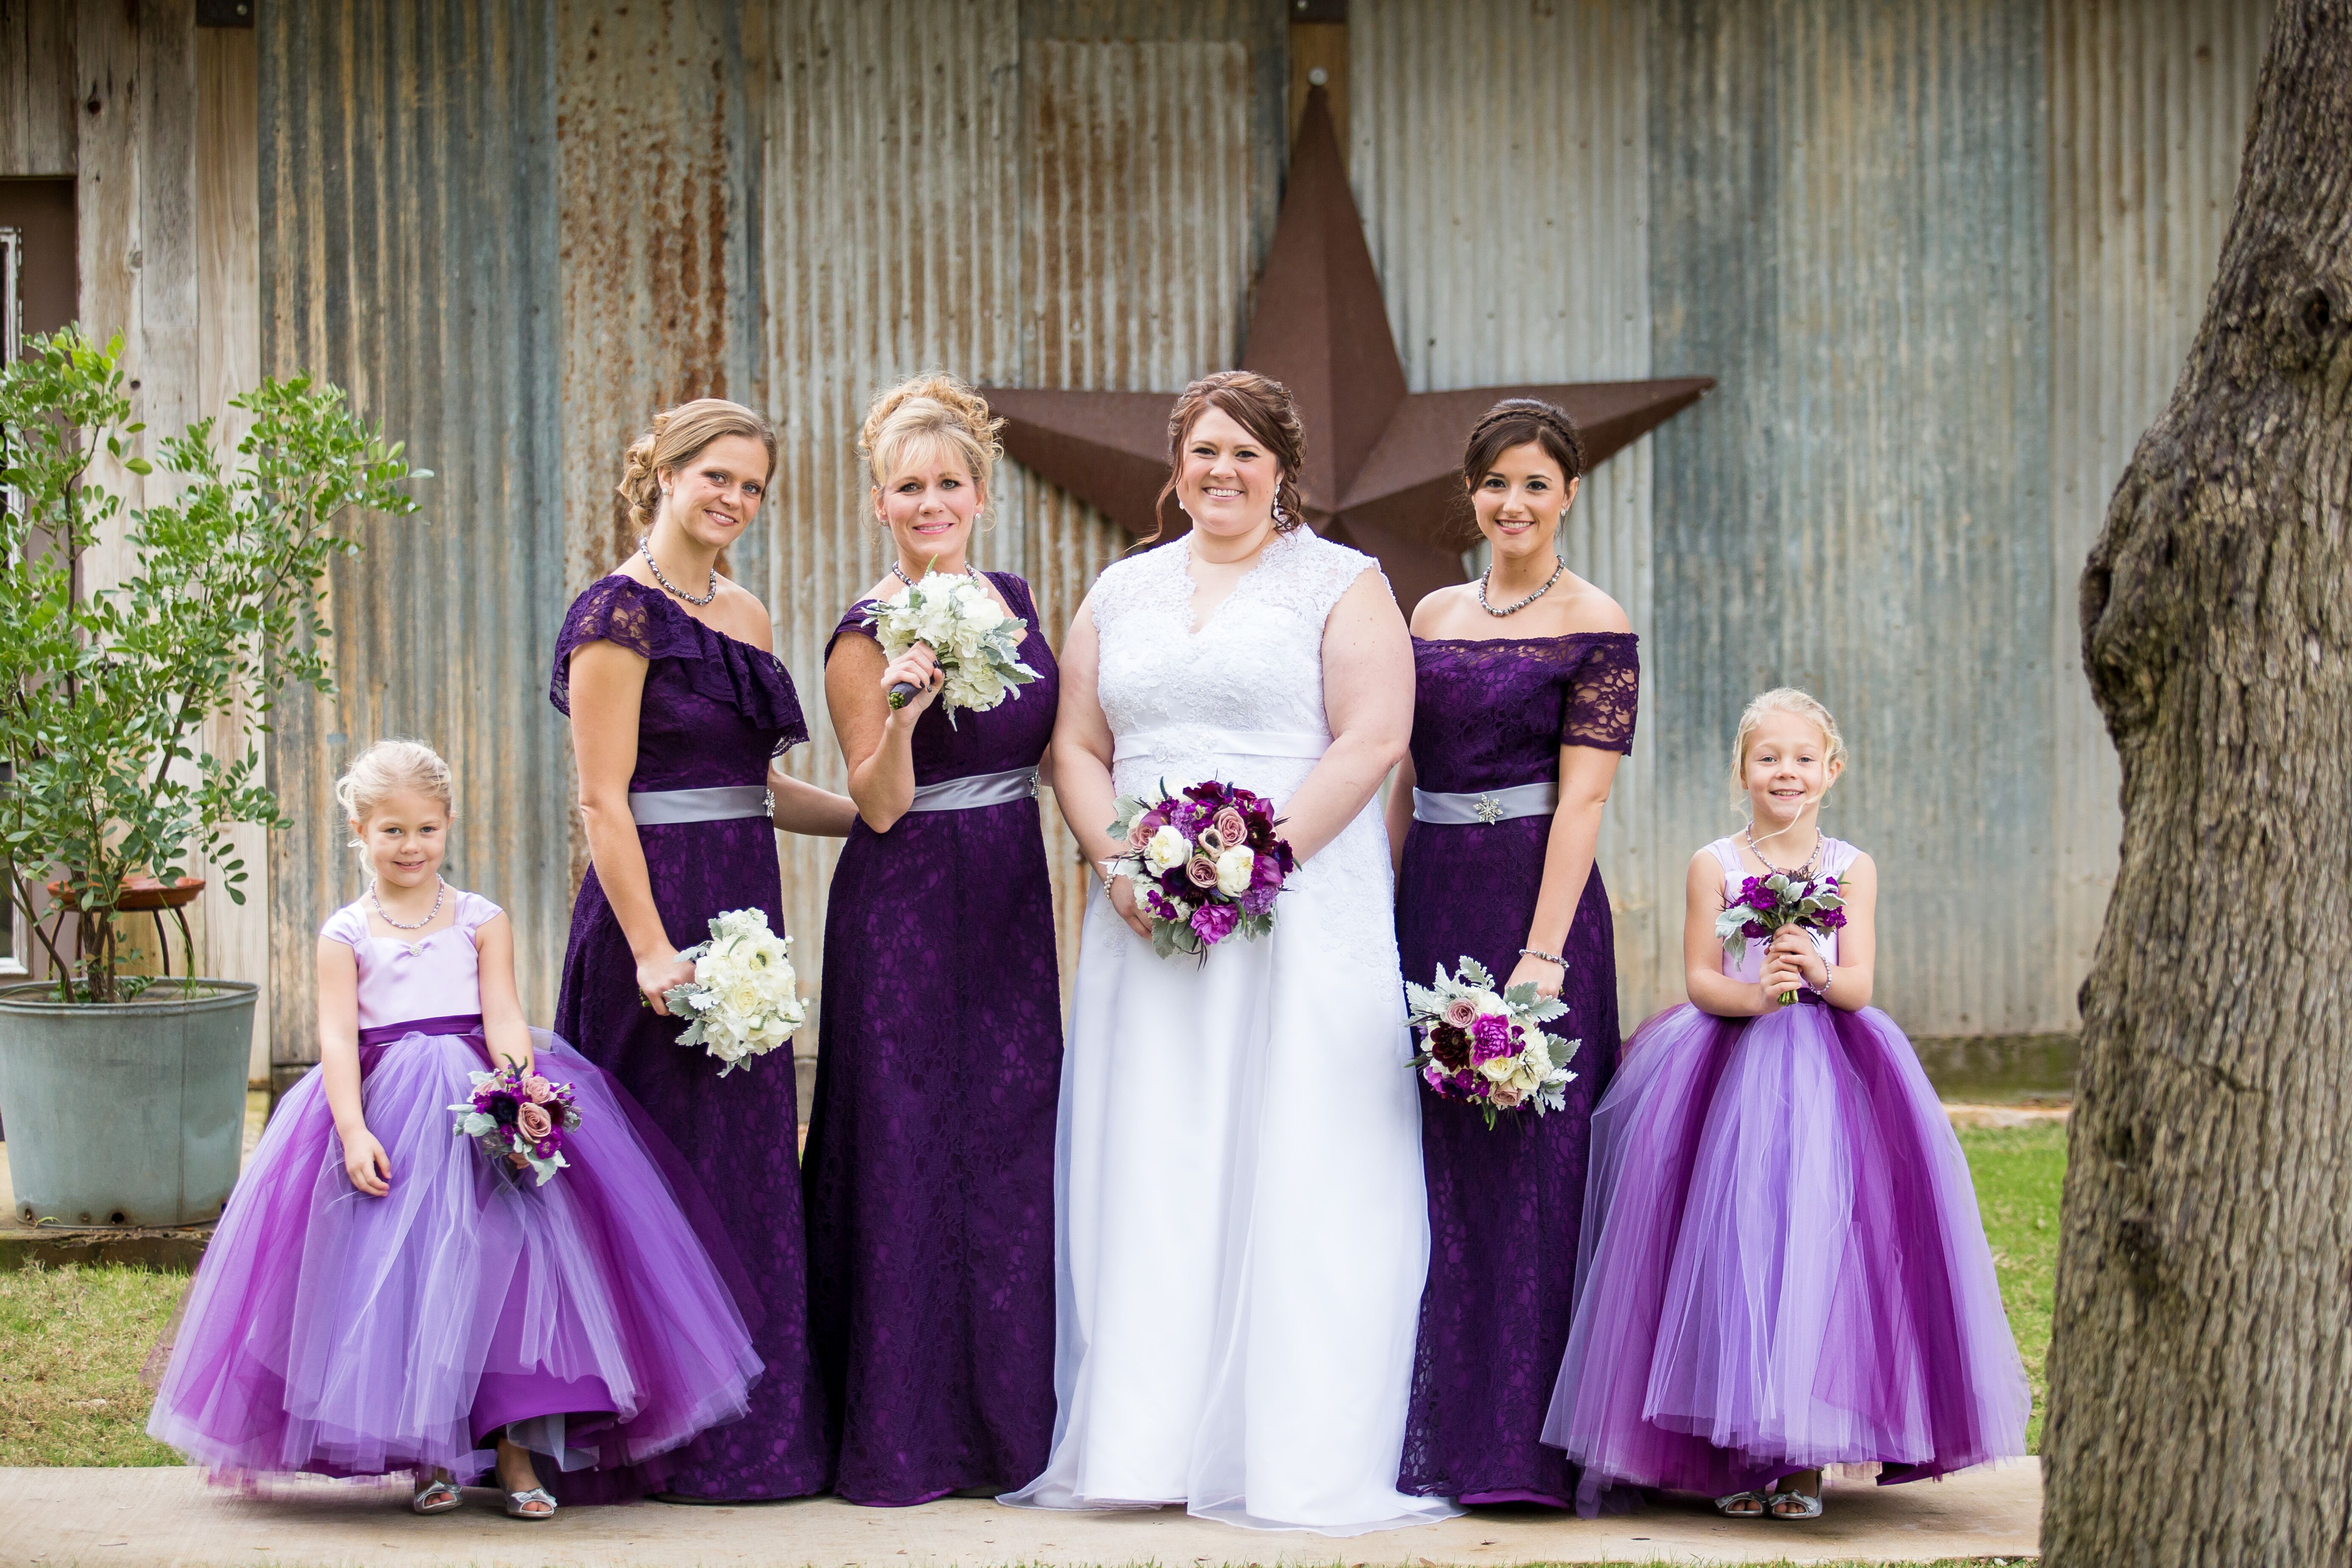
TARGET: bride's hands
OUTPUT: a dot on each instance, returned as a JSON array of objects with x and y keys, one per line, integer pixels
[
  {"x": 1121, "y": 892},
  {"x": 657, "y": 971}
]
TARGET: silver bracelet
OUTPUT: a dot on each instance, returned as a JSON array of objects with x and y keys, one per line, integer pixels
[{"x": 1547, "y": 957}]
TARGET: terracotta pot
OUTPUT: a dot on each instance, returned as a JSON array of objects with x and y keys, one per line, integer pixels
[{"x": 144, "y": 892}]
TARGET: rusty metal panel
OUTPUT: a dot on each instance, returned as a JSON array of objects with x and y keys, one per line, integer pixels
[
  {"x": 1501, "y": 158},
  {"x": 1849, "y": 229},
  {"x": 2149, "y": 107},
  {"x": 408, "y": 252}
]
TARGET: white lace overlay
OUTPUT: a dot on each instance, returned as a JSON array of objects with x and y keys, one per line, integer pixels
[{"x": 1256, "y": 667}]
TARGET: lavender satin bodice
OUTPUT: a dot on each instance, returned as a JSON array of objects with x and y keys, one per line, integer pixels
[
  {"x": 1013, "y": 734},
  {"x": 1494, "y": 713},
  {"x": 438, "y": 976},
  {"x": 715, "y": 710}
]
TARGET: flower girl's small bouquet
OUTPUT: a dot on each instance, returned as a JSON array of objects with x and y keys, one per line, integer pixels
[
  {"x": 975, "y": 642},
  {"x": 1765, "y": 904},
  {"x": 744, "y": 999},
  {"x": 1207, "y": 864},
  {"x": 518, "y": 1117},
  {"x": 1488, "y": 1046}
]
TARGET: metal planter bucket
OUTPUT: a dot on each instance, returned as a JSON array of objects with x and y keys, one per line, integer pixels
[{"x": 128, "y": 1113}]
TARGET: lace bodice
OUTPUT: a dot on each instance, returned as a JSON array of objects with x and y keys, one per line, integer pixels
[
  {"x": 1494, "y": 713},
  {"x": 1240, "y": 698},
  {"x": 1837, "y": 856}
]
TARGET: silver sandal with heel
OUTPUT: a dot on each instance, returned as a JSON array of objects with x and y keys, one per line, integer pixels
[
  {"x": 1729, "y": 1506},
  {"x": 519, "y": 1503},
  {"x": 1806, "y": 1507},
  {"x": 439, "y": 1495}
]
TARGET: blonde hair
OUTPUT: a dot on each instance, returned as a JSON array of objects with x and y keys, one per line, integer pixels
[
  {"x": 1782, "y": 700},
  {"x": 678, "y": 436},
  {"x": 386, "y": 768},
  {"x": 933, "y": 406}
]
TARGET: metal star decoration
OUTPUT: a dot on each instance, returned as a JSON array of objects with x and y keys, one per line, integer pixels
[{"x": 1381, "y": 470}]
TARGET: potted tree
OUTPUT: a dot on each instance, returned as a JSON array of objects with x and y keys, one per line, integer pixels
[{"x": 123, "y": 1092}]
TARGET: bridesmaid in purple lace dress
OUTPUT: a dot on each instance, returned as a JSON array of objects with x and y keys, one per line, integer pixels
[
  {"x": 1525, "y": 691},
  {"x": 930, "y": 1173},
  {"x": 678, "y": 709}
]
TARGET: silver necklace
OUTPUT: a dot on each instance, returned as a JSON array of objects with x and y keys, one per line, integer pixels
[
  {"x": 653, "y": 567},
  {"x": 1802, "y": 871},
  {"x": 971, "y": 572},
  {"x": 1514, "y": 609},
  {"x": 440, "y": 891}
]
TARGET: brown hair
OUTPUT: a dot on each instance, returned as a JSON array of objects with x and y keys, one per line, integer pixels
[
  {"x": 1259, "y": 405},
  {"x": 931, "y": 406},
  {"x": 1515, "y": 422},
  {"x": 678, "y": 436}
]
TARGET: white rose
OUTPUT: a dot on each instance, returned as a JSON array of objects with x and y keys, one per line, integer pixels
[
  {"x": 1233, "y": 869},
  {"x": 1168, "y": 847},
  {"x": 1490, "y": 1004},
  {"x": 743, "y": 1000},
  {"x": 980, "y": 612}
]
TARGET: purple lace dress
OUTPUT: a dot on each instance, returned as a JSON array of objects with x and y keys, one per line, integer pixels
[
  {"x": 929, "y": 1177},
  {"x": 1504, "y": 1204},
  {"x": 714, "y": 711}
]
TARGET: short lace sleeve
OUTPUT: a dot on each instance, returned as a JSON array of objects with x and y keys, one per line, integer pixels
[
  {"x": 1604, "y": 693},
  {"x": 620, "y": 611},
  {"x": 347, "y": 925},
  {"x": 1311, "y": 574},
  {"x": 1127, "y": 583}
]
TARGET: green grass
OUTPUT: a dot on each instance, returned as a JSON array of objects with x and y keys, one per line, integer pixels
[
  {"x": 2019, "y": 1171},
  {"x": 72, "y": 1340}
]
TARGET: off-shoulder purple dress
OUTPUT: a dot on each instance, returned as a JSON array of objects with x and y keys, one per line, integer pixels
[
  {"x": 929, "y": 1177},
  {"x": 1504, "y": 1204},
  {"x": 715, "y": 710}
]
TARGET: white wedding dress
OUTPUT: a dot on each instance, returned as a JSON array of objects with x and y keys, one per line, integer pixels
[{"x": 1242, "y": 1226}]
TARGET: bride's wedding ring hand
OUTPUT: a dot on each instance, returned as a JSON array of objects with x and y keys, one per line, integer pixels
[
  {"x": 1121, "y": 892},
  {"x": 657, "y": 972}
]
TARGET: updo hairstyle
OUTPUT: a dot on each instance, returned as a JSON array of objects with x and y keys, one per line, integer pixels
[
  {"x": 1515, "y": 422},
  {"x": 677, "y": 438},
  {"x": 387, "y": 768},
  {"x": 930, "y": 408},
  {"x": 1782, "y": 700},
  {"x": 1259, "y": 405}
]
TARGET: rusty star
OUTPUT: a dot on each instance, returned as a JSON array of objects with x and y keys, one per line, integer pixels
[{"x": 1381, "y": 470}]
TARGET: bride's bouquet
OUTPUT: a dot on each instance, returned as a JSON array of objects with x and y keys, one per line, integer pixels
[
  {"x": 1206, "y": 864},
  {"x": 1765, "y": 904},
  {"x": 977, "y": 644},
  {"x": 1488, "y": 1046},
  {"x": 744, "y": 1000}
]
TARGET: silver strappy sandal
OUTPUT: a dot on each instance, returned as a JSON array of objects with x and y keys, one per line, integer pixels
[
  {"x": 1731, "y": 1506},
  {"x": 1805, "y": 1507},
  {"x": 519, "y": 1504},
  {"x": 439, "y": 1495}
]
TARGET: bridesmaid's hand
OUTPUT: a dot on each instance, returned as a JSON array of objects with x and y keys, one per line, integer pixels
[
  {"x": 657, "y": 972},
  {"x": 1122, "y": 899},
  {"x": 919, "y": 669},
  {"x": 1545, "y": 975}
]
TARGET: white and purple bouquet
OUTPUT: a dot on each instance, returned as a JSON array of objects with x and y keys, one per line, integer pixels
[
  {"x": 744, "y": 1000},
  {"x": 1765, "y": 904},
  {"x": 518, "y": 1117},
  {"x": 976, "y": 643},
  {"x": 1487, "y": 1046},
  {"x": 1206, "y": 864}
]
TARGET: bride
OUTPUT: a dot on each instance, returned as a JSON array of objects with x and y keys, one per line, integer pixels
[{"x": 1241, "y": 1221}]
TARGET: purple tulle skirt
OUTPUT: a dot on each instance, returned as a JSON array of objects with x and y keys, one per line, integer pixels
[
  {"x": 345, "y": 1335},
  {"x": 1782, "y": 1266}
]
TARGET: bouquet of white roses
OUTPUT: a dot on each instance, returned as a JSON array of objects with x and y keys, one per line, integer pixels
[
  {"x": 1485, "y": 1046},
  {"x": 976, "y": 643},
  {"x": 744, "y": 999}
]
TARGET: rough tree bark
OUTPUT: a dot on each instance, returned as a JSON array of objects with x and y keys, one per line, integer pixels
[{"x": 2201, "y": 1370}]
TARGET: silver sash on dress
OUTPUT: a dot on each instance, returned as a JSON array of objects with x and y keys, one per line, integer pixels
[
  {"x": 1485, "y": 808},
  {"x": 722, "y": 803},
  {"x": 976, "y": 790}
]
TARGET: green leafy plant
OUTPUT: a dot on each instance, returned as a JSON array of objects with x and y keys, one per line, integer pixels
[{"x": 105, "y": 692}]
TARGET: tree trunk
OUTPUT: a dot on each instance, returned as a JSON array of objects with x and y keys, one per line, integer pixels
[{"x": 2200, "y": 1366}]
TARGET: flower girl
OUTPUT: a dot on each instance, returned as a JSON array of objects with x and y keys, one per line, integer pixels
[
  {"x": 1782, "y": 1266},
  {"x": 384, "y": 1294}
]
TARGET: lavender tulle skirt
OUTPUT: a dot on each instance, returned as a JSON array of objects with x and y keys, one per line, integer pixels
[
  {"x": 1782, "y": 1266},
  {"x": 345, "y": 1335}
]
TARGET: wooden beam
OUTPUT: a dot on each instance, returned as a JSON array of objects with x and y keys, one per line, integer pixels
[{"x": 36, "y": 88}]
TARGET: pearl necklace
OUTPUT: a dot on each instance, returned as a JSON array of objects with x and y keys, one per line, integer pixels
[
  {"x": 1514, "y": 608},
  {"x": 1801, "y": 872},
  {"x": 440, "y": 891},
  {"x": 653, "y": 567},
  {"x": 971, "y": 572}
]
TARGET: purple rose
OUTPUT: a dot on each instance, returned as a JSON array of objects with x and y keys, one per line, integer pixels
[
  {"x": 533, "y": 1121},
  {"x": 1201, "y": 871},
  {"x": 1214, "y": 922},
  {"x": 1462, "y": 1012},
  {"x": 1230, "y": 826},
  {"x": 1490, "y": 1037}
]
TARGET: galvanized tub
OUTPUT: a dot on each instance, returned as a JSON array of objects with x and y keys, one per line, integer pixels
[{"x": 129, "y": 1112}]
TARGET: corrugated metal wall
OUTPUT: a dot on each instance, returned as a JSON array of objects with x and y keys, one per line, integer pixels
[
  {"x": 2149, "y": 106},
  {"x": 409, "y": 227}
]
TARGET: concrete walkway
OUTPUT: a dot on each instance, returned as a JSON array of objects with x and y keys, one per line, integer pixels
[{"x": 58, "y": 1517}]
